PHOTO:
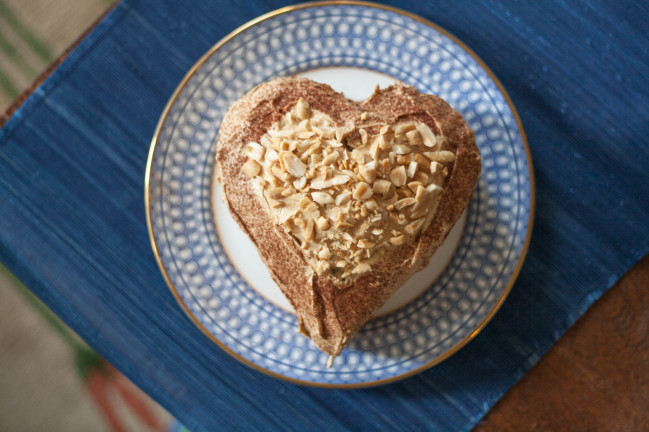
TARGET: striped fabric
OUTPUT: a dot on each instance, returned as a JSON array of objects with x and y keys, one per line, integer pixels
[
  {"x": 85, "y": 392},
  {"x": 33, "y": 33}
]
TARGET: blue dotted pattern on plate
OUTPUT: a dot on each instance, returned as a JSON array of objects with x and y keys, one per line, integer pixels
[{"x": 182, "y": 170}]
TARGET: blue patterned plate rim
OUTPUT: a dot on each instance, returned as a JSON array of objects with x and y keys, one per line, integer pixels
[{"x": 314, "y": 379}]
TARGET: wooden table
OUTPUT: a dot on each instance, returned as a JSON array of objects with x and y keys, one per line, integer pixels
[{"x": 596, "y": 377}]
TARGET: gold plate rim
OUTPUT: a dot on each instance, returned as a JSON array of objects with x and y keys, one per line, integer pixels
[{"x": 199, "y": 64}]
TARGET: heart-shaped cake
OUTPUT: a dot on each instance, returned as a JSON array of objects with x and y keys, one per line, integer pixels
[{"x": 344, "y": 200}]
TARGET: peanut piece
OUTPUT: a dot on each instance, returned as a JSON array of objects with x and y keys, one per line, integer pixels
[
  {"x": 414, "y": 137},
  {"x": 309, "y": 232},
  {"x": 401, "y": 149},
  {"x": 434, "y": 189},
  {"x": 381, "y": 186},
  {"x": 322, "y": 224},
  {"x": 362, "y": 192},
  {"x": 398, "y": 176},
  {"x": 362, "y": 267},
  {"x": 414, "y": 226},
  {"x": 251, "y": 168},
  {"x": 322, "y": 267},
  {"x": 429, "y": 138},
  {"x": 440, "y": 156},
  {"x": 293, "y": 165},
  {"x": 343, "y": 197},
  {"x": 368, "y": 174},
  {"x": 324, "y": 253},
  {"x": 255, "y": 151},
  {"x": 365, "y": 244},
  {"x": 364, "y": 135},
  {"x": 276, "y": 193},
  {"x": 405, "y": 202},
  {"x": 322, "y": 198},
  {"x": 302, "y": 109},
  {"x": 330, "y": 159},
  {"x": 412, "y": 169}
]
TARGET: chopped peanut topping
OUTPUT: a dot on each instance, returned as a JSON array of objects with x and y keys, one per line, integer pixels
[{"x": 345, "y": 193}]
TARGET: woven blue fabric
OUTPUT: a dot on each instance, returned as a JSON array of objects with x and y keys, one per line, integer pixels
[{"x": 72, "y": 221}]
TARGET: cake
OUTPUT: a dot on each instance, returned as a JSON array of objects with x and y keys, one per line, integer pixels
[{"x": 344, "y": 200}]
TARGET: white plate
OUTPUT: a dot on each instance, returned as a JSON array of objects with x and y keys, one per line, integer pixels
[{"x": 354, "y": 47}]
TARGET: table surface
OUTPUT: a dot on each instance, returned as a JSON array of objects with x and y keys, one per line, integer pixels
[{"x": 596, "y": 377}]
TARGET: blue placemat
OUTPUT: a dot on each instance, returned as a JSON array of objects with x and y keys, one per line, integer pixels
[{"x": 72, "y": 223}]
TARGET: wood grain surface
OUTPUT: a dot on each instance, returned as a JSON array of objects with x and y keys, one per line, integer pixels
[{"x": 596, "y": 378}]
